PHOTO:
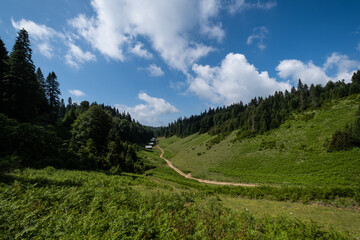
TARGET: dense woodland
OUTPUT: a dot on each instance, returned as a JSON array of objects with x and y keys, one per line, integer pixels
[
  {"x": 264, "y": 114},
  {"x": 37, "y": 129}
]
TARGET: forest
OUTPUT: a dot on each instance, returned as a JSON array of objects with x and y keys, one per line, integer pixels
[
  {"x": 263, "y": 114},
  {"x": 37, "y": 129}
]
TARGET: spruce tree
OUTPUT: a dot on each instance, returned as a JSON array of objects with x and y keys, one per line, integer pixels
[
  {"x": 52, "y": 93},
  {"x": 355, "y": 85},
  {"x": 4, "y": 68},
  {"x": 24, "y": 96}
]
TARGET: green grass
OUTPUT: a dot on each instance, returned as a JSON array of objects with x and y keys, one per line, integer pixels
[
  {"x": 63, "y": 204},
  {"x": 292, "y": 154},
  {"x": 340, "y": 214},
  {"x": 344, "y": 220}
]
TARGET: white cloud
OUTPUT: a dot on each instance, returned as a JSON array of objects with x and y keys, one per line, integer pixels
[
  {"x": 76, "y": 93},
  {"x": 75, "y": 56},
  {"x": 149, "y": 112},
  {"x": 209, "y": 9},
  {"x": 258, "y": 36},
  {"x": 41, "y": 34},
  {"x": 169, "y": 27},
  {"x": 45, "y": 38},
  {"x": 155, "y": 71},
  {"x": 140, "y": 51},
  {"x": 242, "y": 5},
  {"x": 234, "y": 81},
  {"x": 37, "y": 31},
  {"x": 307, "y": 72},
  {"x": 45, "y": 49},
  {"x": 336, "y": 67}
]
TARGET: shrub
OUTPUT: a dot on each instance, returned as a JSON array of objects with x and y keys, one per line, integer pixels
[{"x": 339, "y": 141}]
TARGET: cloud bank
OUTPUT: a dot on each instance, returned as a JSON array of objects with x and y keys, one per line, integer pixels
[
  {"x": 233, "y": 81},
  {"x": 149, "y": 112},
  {"x": 339, "y": 65}
]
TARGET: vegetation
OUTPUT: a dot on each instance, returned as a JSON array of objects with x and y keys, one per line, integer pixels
[
  {"x": 261, "y": 114},
  {"x": 295, "y": 153},
  {"x": 66, "y": 204},
  {"x": 38, "y": 130},
  {"x": 292, "y": 143}
]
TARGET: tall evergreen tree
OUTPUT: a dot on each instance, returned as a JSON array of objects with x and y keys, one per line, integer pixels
[
  {"x": 355, "y": 85},
  {"x": 62, "y": 109},
  {"x": 4, "y": 57},
  {"x": 4, "y": 68},
  {"x": 24, "y": 92},
  {"x": 52, "y": 93},
  {"x": 41, "y": 79}
]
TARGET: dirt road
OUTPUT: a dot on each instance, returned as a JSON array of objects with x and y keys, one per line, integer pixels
[{"x": 188, "y": 176}]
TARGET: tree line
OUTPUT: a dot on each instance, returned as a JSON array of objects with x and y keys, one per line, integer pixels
[
  {"x": 261, "y": 114},
  {"x": 37, "y": 129}
]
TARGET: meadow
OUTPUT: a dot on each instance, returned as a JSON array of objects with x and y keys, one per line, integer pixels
[{"x": 65, "y": 204}]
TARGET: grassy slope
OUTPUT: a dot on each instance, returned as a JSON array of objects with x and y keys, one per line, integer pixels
[
  {"x": 299, "y": 156},
  {"x": 338, "y": 218}
]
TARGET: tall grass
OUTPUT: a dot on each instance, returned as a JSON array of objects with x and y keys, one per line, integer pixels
[{"x": 49, "y": 203}]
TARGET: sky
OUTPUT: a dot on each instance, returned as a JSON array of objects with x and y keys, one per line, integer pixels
[{"x": 164, "y": 59}]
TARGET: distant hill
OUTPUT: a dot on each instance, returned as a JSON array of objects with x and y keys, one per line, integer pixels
[{"x": 294, "y": 153}]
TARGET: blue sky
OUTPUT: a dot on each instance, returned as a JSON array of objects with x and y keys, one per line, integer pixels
[{"x": 165, "y": 59}]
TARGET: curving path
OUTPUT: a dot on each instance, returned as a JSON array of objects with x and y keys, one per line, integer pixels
[{"x": 188, "y": 176}]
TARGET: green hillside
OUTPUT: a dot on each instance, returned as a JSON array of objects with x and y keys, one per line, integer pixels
[{"x": 294, "y": 153}]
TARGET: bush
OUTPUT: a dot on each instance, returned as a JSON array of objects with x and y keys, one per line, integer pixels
[{"x": 340, "y": 141}]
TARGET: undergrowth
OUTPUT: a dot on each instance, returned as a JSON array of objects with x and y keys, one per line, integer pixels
[{"x": 49, "y": 203}]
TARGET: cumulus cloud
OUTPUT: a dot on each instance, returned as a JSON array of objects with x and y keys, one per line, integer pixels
[
  {"x": 140, "y": 51},
  {"x": 257, "y": 37},
  {"x": 75, "y": 56},
  {"x": 233, "y": 81},
  {"x": 149, "y": 112},
  {"x": 45, "y": 38},
  {"x": 336, "y": 67},
  {"x": 209, "y": 9},
  {"x": 37, "y": 31},
  {"x": 41, "y": 34},
  {"x": 168, "y": 25},
  {"x": 76, "y": 93},
  {"x": 155, "y": 71}
]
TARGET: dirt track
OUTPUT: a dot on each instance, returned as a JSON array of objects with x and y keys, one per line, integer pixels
[{"x": 188, "y": 176}]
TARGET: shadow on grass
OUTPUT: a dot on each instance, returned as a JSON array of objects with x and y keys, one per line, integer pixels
[{"x": 39, "y": 181}]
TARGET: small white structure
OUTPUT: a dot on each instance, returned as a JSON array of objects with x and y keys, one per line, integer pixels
[{"x": 148, "y": 147}]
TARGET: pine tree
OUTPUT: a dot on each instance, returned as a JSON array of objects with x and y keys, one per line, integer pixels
[
  {"x": 355, "y": 85},
  {"x": 52, "y": 93},
  {"x": 4, "y": 57},
  {"x": 4, "y": 68},
  {"x": 24, "y": 96},
  {"x": 41, "y": 79},
  {"x": 62, "y": 109}
]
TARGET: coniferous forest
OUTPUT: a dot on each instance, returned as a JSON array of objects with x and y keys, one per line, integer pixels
[
  {"x": 264, "y": 114},
  {"x": 38, "y": 129}
]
